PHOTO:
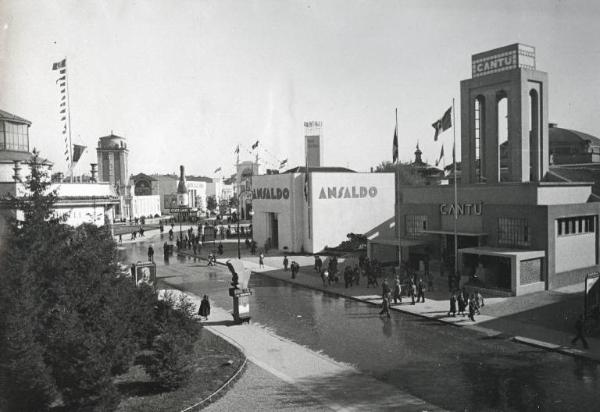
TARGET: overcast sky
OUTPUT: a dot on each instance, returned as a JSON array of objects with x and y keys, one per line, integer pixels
[{"x": 186, "y": 81}]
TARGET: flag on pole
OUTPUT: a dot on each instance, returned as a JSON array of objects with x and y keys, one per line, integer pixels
[
  {"x": 59, "y": 65},
  {"x": 255, "y": 145},
  {"x": 63, "y": 71},
  {"x": 218, "y": 169},
  {"x": 60, "y": 79},
  {"x": 442, "y": 124},
  {"x": 237, "y": 149},
  {"x": 77, "y": 152},
  {"x": 395, "y": 144},
  {"x": 282, "y": 163},
  {"x": 437, "y": 162}
]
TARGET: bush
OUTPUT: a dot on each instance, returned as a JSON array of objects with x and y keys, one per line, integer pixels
[{"x": 171, "y": 361}]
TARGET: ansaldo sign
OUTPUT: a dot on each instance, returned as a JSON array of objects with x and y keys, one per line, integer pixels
[
  {"x": 347, "y": 192},
  {"x": 271, "y": 193}
]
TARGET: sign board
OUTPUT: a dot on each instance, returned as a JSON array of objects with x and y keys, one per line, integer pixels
[
  {"x": 503, "y": 59},
  {"x": 145, "y": 273}
]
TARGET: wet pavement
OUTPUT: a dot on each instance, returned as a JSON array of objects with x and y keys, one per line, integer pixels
[{"x": 453, "y": 368}]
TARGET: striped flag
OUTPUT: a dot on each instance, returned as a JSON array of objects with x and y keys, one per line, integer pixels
[
  {"x": 282, "y": 163},
  {"x": 59, "y": 65}
]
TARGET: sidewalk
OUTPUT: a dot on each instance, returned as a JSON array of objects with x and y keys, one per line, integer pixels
[{"x": 544, "y": 319}]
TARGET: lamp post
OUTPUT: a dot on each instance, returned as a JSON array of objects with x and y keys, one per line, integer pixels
[{"x": 182, "y": 197}]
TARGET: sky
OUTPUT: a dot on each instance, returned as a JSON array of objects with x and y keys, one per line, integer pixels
[{"x": 185, "y": 82}]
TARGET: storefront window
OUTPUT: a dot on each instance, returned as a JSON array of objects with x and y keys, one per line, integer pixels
[{"x": 513, "y": 232}]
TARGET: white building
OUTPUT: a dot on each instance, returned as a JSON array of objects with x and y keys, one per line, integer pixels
[{"x": 339, "y": 202}]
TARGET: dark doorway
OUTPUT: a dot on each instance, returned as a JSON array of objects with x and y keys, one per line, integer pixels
[{"x": 274, "y": 231}]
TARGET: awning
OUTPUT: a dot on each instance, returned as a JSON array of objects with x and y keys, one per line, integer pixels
[
  {"x": 503, "y": 252},
  {"x": 399, "y": 242},
  {"x": 451, "y": 232}
]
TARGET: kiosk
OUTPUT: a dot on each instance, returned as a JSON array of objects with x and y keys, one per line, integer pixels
[{"x": 239, "y": 290}]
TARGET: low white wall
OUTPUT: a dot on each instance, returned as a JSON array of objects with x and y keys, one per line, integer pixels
[
  {"x": 146, "y": 205},
  {"x": 575, "y": 252}
]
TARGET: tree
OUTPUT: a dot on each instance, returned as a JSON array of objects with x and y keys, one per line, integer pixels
[
  {"x": 60, "y": 297},
  {"x": 407, "y": 174}
]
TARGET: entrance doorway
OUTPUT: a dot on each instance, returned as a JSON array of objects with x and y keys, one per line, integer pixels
[{"x": 274, "y": 231}]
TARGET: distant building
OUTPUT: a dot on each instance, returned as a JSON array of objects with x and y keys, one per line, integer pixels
[
  {"x": 77, "y": 203},
  {"x": 313, "y": 143}
]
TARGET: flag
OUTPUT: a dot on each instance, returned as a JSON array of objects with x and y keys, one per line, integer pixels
[
  {"x": 255, "y": 145},
  {"x": 437, "y": 162},
  {"x": 77, "y": 152},
  {"x": 60, "y": 79},
  {"x": 62, "y": 119},
  {"x": 218, "y": 169},
  {"x": 442, "y": 124},
  {"x": 59, "y": 65},
  {"x": 237, "y": 149},
  {"x": 282, "y": 163},
  {"x": 63, "y": 71},
  {"x": 395, "y": 145},
  {"x": 63, "y": 111}
]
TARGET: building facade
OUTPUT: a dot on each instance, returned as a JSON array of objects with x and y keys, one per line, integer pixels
[
  {"x": 506, "y": 226},
  {"x": 337, "y": 202}
]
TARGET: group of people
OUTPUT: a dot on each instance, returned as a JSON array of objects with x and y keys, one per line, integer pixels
[{"x": 461, "y": 301}]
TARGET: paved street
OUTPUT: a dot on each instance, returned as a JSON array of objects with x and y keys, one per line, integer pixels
[{"x": 421, "y": 362}]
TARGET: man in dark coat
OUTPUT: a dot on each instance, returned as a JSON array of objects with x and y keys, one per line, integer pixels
[
  {"x": 421, "y": 291},
  {"x": 150, "y": 253},
  {"x": 204, "y": 310}
]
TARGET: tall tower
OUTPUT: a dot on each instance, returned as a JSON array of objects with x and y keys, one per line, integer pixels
[
  {"x": 504, "y": 117},
  {"x": 313, "y": 142},
  {"x": 112, "y": 162}
]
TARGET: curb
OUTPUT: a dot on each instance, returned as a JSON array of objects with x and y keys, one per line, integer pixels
[{"x": 551, "y": 347}]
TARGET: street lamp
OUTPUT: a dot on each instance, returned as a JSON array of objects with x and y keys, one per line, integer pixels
[{"x": 182, "y": 197}]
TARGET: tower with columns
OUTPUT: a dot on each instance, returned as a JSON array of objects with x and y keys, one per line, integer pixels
[{"x": 504, "y": 116}]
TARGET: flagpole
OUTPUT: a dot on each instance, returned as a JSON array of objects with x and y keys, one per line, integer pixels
[
  {"x": 455, "y": 191},
  {"x": 69, "y": 121}
]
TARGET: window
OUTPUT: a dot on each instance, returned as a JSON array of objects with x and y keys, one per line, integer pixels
[
  {"x": 15, "y": 136},
  {"x": 576, "y": 225},
  {"x": 415, "y": 225},
  {"x": 513, "y": 232}
]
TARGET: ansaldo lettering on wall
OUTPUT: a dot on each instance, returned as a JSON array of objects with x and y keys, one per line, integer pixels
[
  {"x": 271, "y": 193},
  {"x": 347, "y": 192}
]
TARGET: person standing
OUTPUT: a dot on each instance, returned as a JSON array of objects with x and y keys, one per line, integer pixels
[
  {"x": 385, "y": 288},
  {"x": 462, "y": 303},
  {"x": 204, "y": 310},
  {"x": 452, "y": 305},
  {"x": 150, "y": 253},
  {"x": 261, "y": 260},
  {"x": 472, "y": 307},
  {"x": 421, "y": 291},
  {"x": 397, "y": 291},
  {"x": 385, "y": 305},
  {"x": 579, "y": 326},
  {"x": 285, "y": 263}
]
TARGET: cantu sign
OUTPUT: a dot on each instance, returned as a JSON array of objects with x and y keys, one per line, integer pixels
[
  {"x": 472, "y": 209},
  {"x": 347, "y": 192}
]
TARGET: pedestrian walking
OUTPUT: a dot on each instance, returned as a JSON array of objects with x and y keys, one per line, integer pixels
[
  {"x": 261, "y": 260},
  {"x": 412, "y": 290},
  {"x": 397, "y": 291},
  {"x": 452, "y": 305},
  {"x": 385, "y": 289},
  {"x": 385, "y": 306},
  {"x": 150, "y": 253},
  {"x": 479, "y": 300},
  {"x": 318, "y": 264},
  {"x": 120, "y": 238},
  {"x": 348, "y": 276},
  {"x": 204, "y": 310},
  {"x": 421, "y": 291},
  {"x": 285, "y": 263},
  {"x": 472, "y": 307},
  {"x": 579, "y": 324}
]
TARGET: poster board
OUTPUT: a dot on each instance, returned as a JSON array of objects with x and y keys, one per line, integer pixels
[{"x": 145, "y": 273}]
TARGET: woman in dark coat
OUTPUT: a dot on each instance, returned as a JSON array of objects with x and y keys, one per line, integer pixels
[{"x": 204, "y": 310}]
